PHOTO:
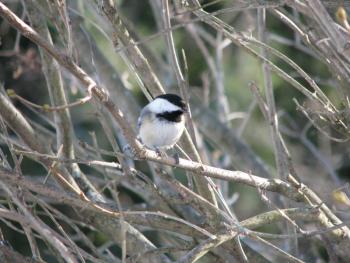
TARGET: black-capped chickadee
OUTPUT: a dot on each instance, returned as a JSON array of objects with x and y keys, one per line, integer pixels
[{"x": 162, "y": 122}]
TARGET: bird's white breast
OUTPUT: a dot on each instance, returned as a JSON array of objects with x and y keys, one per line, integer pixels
[{"x": 160, "y": 134}]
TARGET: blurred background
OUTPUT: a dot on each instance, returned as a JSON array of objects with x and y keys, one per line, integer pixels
[{"x": 220, "y": 77}]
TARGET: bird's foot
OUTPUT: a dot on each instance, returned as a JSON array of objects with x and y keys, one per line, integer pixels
[
  {"x": 176, "y": 157},
  {"x": 161, "y": 153}
]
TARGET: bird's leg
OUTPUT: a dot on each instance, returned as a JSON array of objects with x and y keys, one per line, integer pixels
[
  {"x": 163, "y": 154},
  {"x": 176, "y": 157},
  {"x": 160, "y": 153}
]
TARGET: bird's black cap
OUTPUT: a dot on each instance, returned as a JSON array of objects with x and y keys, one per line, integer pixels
[{"x": 174, "y": 99}]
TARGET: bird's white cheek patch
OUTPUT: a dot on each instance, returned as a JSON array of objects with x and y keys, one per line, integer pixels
[{"x": 161, "y": 105}]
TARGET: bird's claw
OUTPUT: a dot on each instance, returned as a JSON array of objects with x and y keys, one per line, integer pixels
[
  {"x": 176, "y": 157},
  {"x": 161, "y": 153}
]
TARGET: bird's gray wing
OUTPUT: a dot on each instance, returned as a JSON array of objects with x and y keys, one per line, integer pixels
[{"x": 145, "y": 114}]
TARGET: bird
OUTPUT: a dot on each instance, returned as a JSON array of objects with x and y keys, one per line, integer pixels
[{"x": 162, "y": 122}]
